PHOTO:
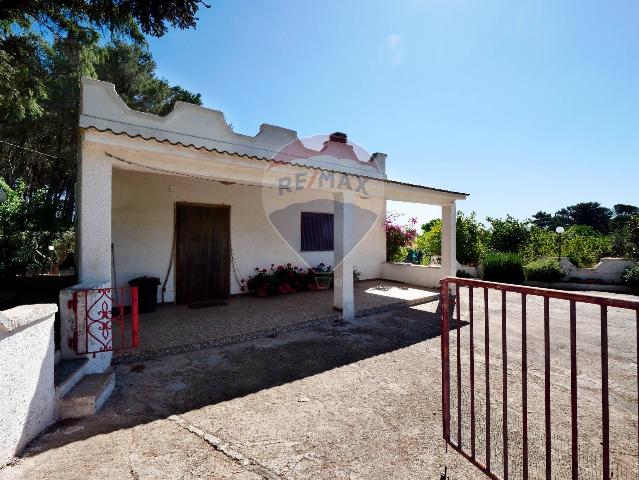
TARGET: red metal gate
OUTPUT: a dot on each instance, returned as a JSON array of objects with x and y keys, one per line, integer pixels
[
  {"x": 103, "y": 322},
  {"x": 497, "y": 466}
]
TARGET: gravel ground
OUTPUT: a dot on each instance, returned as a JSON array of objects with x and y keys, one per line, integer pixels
[{"x": 356, "y": 400}]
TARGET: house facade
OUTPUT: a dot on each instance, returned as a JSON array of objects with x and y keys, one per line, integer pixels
[{"x": 184, "y": 198}]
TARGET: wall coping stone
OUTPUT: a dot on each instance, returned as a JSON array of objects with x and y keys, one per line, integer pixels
[
  {"x": 406, "y": 264},
  {"x": 23, "y": 316}
]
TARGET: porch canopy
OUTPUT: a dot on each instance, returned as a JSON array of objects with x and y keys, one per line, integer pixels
[{"x": 196, "y": 142}]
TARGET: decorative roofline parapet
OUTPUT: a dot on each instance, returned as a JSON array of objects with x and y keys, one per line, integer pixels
[{"x": 103, "y": 109}]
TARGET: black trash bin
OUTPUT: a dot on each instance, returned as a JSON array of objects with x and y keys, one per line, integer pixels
[{"x": 147, "y": 293}]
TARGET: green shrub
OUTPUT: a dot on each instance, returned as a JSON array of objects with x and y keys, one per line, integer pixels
[
  {"x": 631, "y": 277},
  {"x": 509, "y": 235},
  {"x": 503, "y": 267},
  {"x": 541, "y": 243},
  {"x": 430, "y": 240},
  {"x": 585, "y": 246},
  {"x": 631, "y": 231},
  {"x": 469, "y": 234},
  {"x": 544, "y": 270},
  {"x": 468, "y": 237},
  {"x": 29, "y": 223}
]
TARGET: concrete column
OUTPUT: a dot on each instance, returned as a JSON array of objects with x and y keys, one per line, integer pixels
[
  {"x": 344, "y": 298},
  {"x": 94, "y": 192},
  {"x": 94, "y": 217},
  {"x": 449, "y": 240}
]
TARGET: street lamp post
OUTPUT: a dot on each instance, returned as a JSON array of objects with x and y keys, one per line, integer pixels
[{"x": 559, "y": 231}]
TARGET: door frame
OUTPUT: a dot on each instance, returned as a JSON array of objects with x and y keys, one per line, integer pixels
[{"x": 177, "y": 245}]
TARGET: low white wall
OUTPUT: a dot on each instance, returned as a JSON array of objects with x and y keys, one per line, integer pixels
[
  {"x": 27, "y": 392},
  {"x": 419, "y": 275},
  {"x": 469, "y": 269},
  {"x": 608, "y": 270}
]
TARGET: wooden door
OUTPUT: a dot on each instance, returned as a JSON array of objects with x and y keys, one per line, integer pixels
[{"x": 203, "y": 253}]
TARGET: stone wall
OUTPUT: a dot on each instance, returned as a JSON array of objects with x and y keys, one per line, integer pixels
[
  {"x": 418, "y": 275},
  {"x": 27, "y": 392},
  {"x": 608, "y": 270}
]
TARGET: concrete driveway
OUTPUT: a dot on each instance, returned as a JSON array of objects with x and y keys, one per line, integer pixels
[{"x": 351, "y": 400}]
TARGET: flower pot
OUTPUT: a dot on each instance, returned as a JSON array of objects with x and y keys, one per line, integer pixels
[
  {"x": 262, "y": 292},
  {"x": 323, "y": 281}
]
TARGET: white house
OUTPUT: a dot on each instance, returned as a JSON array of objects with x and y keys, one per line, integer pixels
[{"x": 184, "y": 198}]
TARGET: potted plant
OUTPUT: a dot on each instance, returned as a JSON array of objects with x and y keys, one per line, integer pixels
[
  {"x": 260, "y": 283},
  {"x": 291, "y": 279},
  {"x": 323, "y": 275}
]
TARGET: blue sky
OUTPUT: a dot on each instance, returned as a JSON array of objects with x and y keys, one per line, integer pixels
[{"x": 527, "y": 106}]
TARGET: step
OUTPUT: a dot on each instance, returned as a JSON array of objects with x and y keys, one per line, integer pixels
[
  {"x": 66, "y": 375},
  {"x": 87, "y": 397}
]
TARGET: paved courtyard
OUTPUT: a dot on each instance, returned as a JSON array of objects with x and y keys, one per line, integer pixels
[{"x": 356, "y": 400}]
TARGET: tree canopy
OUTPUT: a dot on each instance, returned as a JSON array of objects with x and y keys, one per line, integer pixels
[
  {"x": 63, "y": 16},
  {"x": 592, "y": 214},
  {"x": 40, "y": 75},
  {"x": 45, "y": 49},
  {"x": 27, "y": 27}
]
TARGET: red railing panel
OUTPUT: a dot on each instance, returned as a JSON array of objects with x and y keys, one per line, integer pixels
[
  {"x": 445, "y": 352},
  {"x": 97, "y": 311},
  {"x": 135, "y": 318},
  {"x": 459, "y": 389},
  {"x": 605, "y": 406},
  {"x": 502, "y": 458},
  {"x": 472, "y": 373},
  {"x": 504, "y": 373},
  {"x": 524, "y": 386},
  {"x": 487, "y": 373},
  {"x": 547, "y": 412},
  {"x": 573, "y": 391}
]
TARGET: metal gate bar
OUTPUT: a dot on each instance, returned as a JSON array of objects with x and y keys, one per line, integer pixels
[{"x": 604, "y": 303}]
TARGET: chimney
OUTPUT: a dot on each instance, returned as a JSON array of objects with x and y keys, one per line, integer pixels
[
  {"x": 337, "y": 147},
  {"x": 379, "y": 161},
  {"x": 337, "y": 137}
]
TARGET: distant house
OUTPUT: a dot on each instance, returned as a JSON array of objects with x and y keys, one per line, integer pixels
[{"x": 186, "y": 199}]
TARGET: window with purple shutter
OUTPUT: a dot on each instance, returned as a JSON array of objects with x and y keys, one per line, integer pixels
[{"x": 317, "y": 231}]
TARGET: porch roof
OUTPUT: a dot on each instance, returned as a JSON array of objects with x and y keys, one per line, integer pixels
[{"x": 458, "y": 195}]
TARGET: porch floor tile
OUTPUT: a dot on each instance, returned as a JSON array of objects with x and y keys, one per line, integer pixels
[{"x": 178, "y": 328}]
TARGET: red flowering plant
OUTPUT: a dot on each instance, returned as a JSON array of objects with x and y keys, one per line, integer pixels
[
  {"x": 289, "y": 279},
  {"x": 262, "y": 280},
  {"x": 281, "y": 279},
  {"x": 398, "y": 236}
]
